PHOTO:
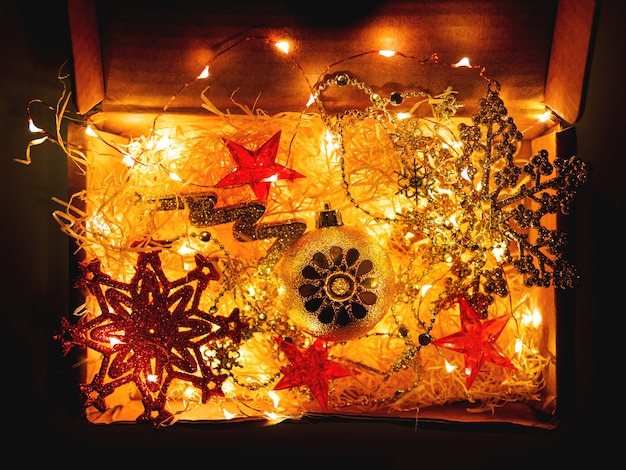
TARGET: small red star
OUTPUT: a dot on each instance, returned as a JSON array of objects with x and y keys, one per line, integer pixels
[
  {"x": 311, "y": 368},
  {"x": 476, "y": 341},
  {"x": 257, "y": 168}
]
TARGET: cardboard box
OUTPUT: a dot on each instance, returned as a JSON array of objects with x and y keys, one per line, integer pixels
[{"x": 136, "y": 74}]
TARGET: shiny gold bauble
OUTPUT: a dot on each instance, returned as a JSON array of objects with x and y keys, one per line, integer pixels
[{"x": 337, "y": 281}]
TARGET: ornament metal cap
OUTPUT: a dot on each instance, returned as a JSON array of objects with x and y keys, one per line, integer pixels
[{"x": 328, "y": 217}]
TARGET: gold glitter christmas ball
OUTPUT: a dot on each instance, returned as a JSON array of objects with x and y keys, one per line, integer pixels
[{"x": 337, "y": 282}]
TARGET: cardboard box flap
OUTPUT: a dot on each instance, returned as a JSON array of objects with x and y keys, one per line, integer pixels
[
  {"x": 569, "y": 58},
  {"x": 149, "y": 51},
  {"x": 87, "y": 58}
]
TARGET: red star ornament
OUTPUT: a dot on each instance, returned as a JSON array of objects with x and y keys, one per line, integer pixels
[
  {"x": 257, "y": 168},
  {"x": 310, "y": 368},
  {"x": 476, "y": 341}
]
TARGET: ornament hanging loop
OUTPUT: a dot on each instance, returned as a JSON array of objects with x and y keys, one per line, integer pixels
[
  {"x": 493, "y": 86},
  {"x": 328, "y": 217}
]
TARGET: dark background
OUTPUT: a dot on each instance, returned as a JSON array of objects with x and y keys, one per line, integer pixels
[{"x": 40, "y": 407}]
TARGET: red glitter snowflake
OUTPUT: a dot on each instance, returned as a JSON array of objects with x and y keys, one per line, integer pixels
[{"x": 150, "y": 332}]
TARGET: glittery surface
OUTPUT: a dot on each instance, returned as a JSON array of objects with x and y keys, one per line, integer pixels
[
  {"x": 338, "y": 282},
  {"x": 247, "y": 226},
  {"x": 150, "y": 332}
]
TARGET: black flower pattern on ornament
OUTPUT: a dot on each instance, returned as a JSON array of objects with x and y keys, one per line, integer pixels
[{"x": 338, "y": 286}]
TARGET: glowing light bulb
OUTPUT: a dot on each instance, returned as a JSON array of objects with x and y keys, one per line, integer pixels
[
  {"x": 387, "y": 52},
  {"x": 464, "y": 62},
  {"x": 498, "y": 252},
  {"x": 533, "y": 318},
  {"x": 403, "y": 115},
  {"x": 283, "y": 46},
  {"x": 32, "y": 127},
  {"x": 175, "y": 177},
  {"x": 89, "y": 131},
  {"x": 545, "y": 117},
  {"x": 190, "y": 393},
  {"x": 331, "y": 142},
  {"x": 204, "y": 73},
  {"x": 128, "y": 161},
  {"x": 449, "y": 367},
  {"x": 455, "y": 145},
  {"x": 185, "y": 249},
  {"x": 162, "y": 143},
  {"x": 98, "y": 224},
  {"x": 274, "y": 396},
  {"x": 227, "y": 387},
  {"x": 270, "y": 179}
]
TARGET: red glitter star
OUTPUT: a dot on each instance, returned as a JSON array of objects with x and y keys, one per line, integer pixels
[
  {"x": 311, "y": 368},
  {"x": 476, "y": 341},
  {"x": 150, "y": 332},
  {"x": 257, "y": 168}
]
